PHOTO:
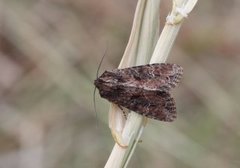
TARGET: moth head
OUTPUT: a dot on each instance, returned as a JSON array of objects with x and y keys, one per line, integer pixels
[{"x": 110, "y": 77}]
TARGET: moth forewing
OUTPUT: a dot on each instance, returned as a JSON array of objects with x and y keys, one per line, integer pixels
[{"x": 143, "y": 89}]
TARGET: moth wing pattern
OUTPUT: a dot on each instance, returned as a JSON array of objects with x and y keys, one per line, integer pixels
[
  {"x": 143, "y": 89},
  {"x": 162, "y": 76},
  {"x": 157, "y": 105}
]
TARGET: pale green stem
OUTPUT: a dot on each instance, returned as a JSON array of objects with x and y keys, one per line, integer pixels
[{"x": 134, "y": 126}]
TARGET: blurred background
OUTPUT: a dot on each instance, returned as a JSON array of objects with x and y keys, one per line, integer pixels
[{"x": 49, "y": 53}]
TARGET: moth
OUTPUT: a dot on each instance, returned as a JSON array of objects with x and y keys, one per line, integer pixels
[{"x": 143, "y": 89}]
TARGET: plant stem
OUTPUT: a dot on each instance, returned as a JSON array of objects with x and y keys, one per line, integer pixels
[{"x": 143, "y": 40}]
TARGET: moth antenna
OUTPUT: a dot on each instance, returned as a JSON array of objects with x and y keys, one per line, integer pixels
[
  {"x": 105, "y": 53},
  {"x": 94, "y": 102},
  {"x": 94, "y": 92}
]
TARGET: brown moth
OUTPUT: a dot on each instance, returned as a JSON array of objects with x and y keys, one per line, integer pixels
[{"x": 143, "y": 89}]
